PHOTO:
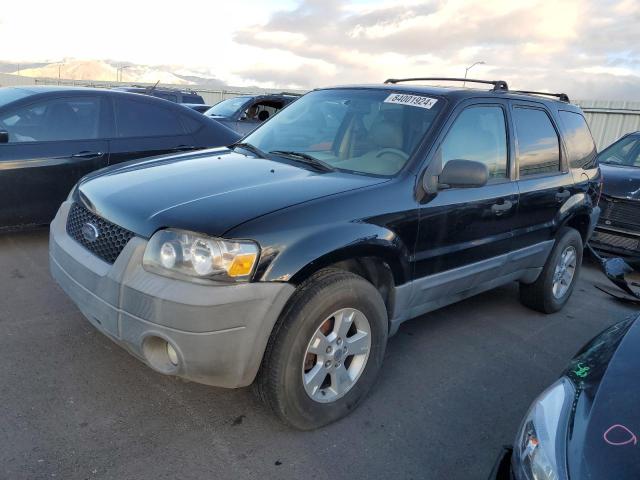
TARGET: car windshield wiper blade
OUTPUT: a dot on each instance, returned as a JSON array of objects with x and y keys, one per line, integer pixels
[
  {"x": 306, "y": 158},
  {"x": 249, "y": 147}
]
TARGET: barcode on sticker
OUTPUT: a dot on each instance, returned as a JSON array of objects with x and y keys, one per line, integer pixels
[{"x": 413, "y": 100}]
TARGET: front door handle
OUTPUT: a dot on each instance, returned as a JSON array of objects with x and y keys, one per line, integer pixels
[
  {"x": 562, "y": 195},
  {"x": 501, "y": 207},
  {"x": 87, "y": 155}
]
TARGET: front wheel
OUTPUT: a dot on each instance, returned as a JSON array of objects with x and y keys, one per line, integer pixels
[
  {"x": 551, "y": 291},
  {"x": 325, "y": 351}
]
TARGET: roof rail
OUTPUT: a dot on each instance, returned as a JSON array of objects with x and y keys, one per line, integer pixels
[
  {"x": 293, "y": 94},
  {"x": 563, "y": 97},
  {"x": 498, "y": 85}
]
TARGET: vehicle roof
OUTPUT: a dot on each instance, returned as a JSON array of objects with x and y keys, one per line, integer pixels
[
  {"x": 140, "y": 88},
  {"x": 46, "y": 90},
  {"x": 458, "y": 93},
  {"x": 42, "y": 89}
]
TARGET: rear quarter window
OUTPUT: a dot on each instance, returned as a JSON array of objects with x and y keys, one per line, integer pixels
[{"x": 580, "y": 145}]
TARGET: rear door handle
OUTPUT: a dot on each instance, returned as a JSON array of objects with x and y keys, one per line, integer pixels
[
  {"x": 563, "y": 195},
  {"x": 87, "y": 155},
  {"x": 501, "y": 207}
]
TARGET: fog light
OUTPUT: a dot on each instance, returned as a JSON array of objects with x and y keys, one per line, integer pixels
[{"x": 172, "y": 354}]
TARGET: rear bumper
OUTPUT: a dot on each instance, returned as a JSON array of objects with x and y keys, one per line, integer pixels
[{"x": 219, "y": 332}]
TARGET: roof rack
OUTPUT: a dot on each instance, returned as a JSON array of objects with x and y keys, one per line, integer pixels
[
  {"x": 293, "y": 94},
  {"x": 498, "y": 85},
  {"x": 563, "y": 97}
]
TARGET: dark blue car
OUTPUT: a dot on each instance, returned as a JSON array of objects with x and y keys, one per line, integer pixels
[{"x": 50, "y": 137}]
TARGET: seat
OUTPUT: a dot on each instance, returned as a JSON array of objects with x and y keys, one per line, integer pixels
[{"x": 384, "y": 134}]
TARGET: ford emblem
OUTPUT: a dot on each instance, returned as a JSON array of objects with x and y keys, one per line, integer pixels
[{"x": 90, "y": 232}]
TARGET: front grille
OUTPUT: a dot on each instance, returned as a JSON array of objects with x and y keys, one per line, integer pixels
[
  {"x": 620, "y": 211},
  {"x": 110, "y": 239},
  {"x": 618, "y": 241}
]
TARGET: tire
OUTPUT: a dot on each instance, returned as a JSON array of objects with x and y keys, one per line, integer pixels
[
  {"x": 540, "y": 295},
  {"x": 287, "y": 357}
]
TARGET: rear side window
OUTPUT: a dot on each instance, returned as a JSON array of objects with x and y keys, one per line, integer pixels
[
  {"x": 172, "y": 97},
  {"x": 479, "y": 134},
  {"x": 582, "y": 149},
  {"x": 538, "y": 144},
  {"x": 190, "y": 98},
  {"x": 141, "y": 119}
]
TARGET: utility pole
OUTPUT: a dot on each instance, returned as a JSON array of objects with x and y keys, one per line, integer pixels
[{"x": 466, "y": 70}]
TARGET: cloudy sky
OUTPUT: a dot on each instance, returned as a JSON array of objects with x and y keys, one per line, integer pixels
[{"x": 588, "y": 48}]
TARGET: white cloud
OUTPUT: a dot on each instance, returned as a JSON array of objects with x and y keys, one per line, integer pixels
[{"x": 581, "y": 46}]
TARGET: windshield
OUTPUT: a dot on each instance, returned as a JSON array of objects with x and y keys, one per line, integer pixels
[
  {"x": 625, "y": 152},
  {"x": 8, "y": 95},
  {"x": 361, "y": 130},
  {"x": 227, "y": 108}
]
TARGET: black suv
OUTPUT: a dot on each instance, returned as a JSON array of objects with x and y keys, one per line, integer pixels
[
  {"x": 289, "y": 259},
  {"x": 246, "y": 112}
]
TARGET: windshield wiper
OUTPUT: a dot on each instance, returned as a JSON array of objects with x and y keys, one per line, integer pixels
[
  {"x": 247, "y": 146},
  {"x": 305, "y": 158}
]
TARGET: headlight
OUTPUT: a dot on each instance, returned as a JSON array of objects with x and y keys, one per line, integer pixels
[
  {"x": 180, "y": 254},
  {"x": 540, "y": 448}
]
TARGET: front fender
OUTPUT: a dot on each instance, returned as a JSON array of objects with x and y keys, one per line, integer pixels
[{"x": 320, "y": 247}]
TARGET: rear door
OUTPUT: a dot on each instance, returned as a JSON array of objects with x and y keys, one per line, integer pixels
[
  {"x": 146, "y": 128},
  {"x": 464, "y": 230},
  {"x": 53, "y": 142},
  {"x": 544, "y": 179}
]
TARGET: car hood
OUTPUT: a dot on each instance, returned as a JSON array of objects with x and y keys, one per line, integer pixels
[
  {"x": 208, "y": 192},
  {"x": 621, "y": 182},
  {"x": 604, "y": 440}
]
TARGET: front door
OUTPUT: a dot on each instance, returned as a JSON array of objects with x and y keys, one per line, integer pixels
[
  {"x": 465, "y": 233},
  {"x": 52, "y": 144}
]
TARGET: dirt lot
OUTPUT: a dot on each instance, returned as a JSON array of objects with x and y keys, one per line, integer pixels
[{"x": 453, "y": 389}]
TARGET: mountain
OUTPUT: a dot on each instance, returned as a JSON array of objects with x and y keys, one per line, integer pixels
[{"x": 110, "y": 71}]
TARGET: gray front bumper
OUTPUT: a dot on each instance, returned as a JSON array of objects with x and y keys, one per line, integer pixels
[{"x": 219, "y": 332}]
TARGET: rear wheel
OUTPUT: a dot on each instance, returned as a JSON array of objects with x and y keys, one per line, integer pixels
[
  {"x": 325, "y": 351},
  {"x": 551, "y": 291}
]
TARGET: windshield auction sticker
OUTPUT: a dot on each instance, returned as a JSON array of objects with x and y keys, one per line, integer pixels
[{"x": 413, "y": 100}]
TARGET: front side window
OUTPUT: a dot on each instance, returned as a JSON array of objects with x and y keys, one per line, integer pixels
[
  {"x": 580, "y": 144},
  {"x": 58, "y": 119},
  {"x": 538, "y": 144},
  {"x": 625, "y": 152},
  {"x": 142, "y": 119},
  {"x": 479, "y": 134},
  {"x": 368, "y": 131}
]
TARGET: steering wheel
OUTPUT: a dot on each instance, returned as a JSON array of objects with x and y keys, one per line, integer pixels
[{"x": 393, "y": 151}]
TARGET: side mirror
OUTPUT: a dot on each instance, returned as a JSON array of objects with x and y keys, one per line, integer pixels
[
  {"x": 463, "y": 174},
  {"x": 4, "y": 136}
]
